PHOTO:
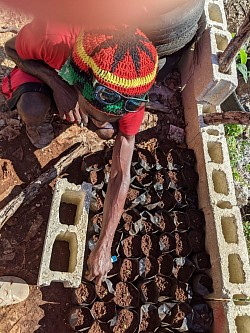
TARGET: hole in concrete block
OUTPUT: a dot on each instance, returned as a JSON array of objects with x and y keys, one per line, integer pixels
[
  {"x": 214, "y": 12},
  {"x": 229, "y": 229},
  {"x": 240, "y": 299},
  {"x": 208, "y": 108},
  {"x": 224, "y": 205},
  {"x": 215, "y": 152},
  {"x": 60, "y": 256},
  {"x": 71, "y": 207},
  {"x": 235, "y": 267},
  {"x": 213, "y": 132},
  {"x": 220, "y": 182},
  {"x": 242, "y": 324},
  {"x": 67, "y": 213},
  {"x": 221, "y": 42}
]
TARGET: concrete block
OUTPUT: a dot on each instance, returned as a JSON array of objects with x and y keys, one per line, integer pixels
[
  {"x": 210, "y": 85},
  {"x": 215, "y": 14},
  {"x": 73, "y": 233}
]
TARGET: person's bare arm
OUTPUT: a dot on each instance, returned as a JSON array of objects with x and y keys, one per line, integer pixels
[
  {"x": 99, "y": 262},
  {"x": 65, "y": 96}
]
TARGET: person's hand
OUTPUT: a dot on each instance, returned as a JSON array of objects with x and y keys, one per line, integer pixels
[
  {"x": 66, "y": 99},
  {"x": 99, "y": 264}
]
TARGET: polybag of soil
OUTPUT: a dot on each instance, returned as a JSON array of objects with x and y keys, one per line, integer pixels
[
  {"x": 97, "y": 327},
  {"x": 97, "y": 222},
  {"x": 202, "y": 284},
  {"x": 183, "y": 247},
  {"x": 97, "y": 201},
  {"x": 168, "y": 201},
  {"x": 176, "y": 180},
  {"x": 141, "y": 180},
  {"x": 181, "y": 221},
  {"x": 96, "y": 178},
  {"x": 149, "y": 318},
  {"x": 196, "y": 218},
  {"x": 131, "y": 247},
  {"x": 147, "y": 223},
  {"x": 190, "y": 177},
  {"x": 127, "y": 321},
  {"x": 165, "y": 264},
  {"x": 84, "y": 294},
  {"x": 126, "y": 295},
  {"x": 167, "y": 242},
  {"x": 146, "y": 159},
  {"x": 202, "y": 319},
  {"x": 181, "y": 292},
  {"x": 153, "y": 199},
  {"x": 129, "y": 270},
  {"x": 104, "y": 312},
  {"x": 130, "y": 222},
  {"x": 196, "y": 240},
  {"x": 165, "y": 286},
  {"x": 93, "y": 161},
  {"x": 135, "y": 197},
  {"x": 80, "y": 319},
  {"x": 148, "y": 267},
  {"x": 183, "y": 269},
  {"x": 149, "y": 291},
  {"x": 160, "y": 159},
  {"x": 161, "y": 180},
  {"x": 105, "y": 292},
  {"x": 201, "y": 261},
  {"x": 150, "y": 245},
  {"x": 174, "y": 162},
  {"x": 164, "y": 221},
  {"x": 179, "y": 317},
  {"x": 187, "y": 157},
  {"x": 180, "y": 199}
]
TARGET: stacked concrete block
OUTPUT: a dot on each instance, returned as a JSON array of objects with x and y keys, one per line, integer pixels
[
  {"x": 212, "y": 86},
  {"x": 74, "y": 234},
  {"x": 215, "y": 14},
  {"x": 225, "y": 241}
]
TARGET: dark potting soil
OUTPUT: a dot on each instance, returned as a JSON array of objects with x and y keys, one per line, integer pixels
[
  {"x": 187, "y": 156},
  {"x": 191, "y": 177},
  {"x": 129, "y": 270},
  {"x": 103, "y": 311},
  {"x": 67, "y": 213},
  {"x": 150, "y": 245},
  {"x": 201, "y": 260},
  {"x": 183, "y": 247},
  {"x": 95, "y": 161},
  {"x": 143, "y": 179},
  {"x": 97, "y": 327},
  {"x": 127, "y": 322},
  {"x": 165, "y": 264},
  {"x": 196, "y": 240},
  {"x": 196, "y": 218},
  {"x": 80, "y": 318},
  {"x": 202, "y": 284},
  {"x": 84, "y": 294},
  {"x": 126, "y": 295},
  {"x": 131, "y": 246},
  {"x": 103, "y": 292},
  {"x": 168, "y": 201}
]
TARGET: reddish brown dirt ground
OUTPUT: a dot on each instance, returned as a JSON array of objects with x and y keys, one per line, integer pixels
[{"x": 21, "y": 240}]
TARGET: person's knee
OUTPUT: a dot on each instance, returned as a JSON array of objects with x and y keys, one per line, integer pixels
[
  {"x": 33, "y": 107},
  {"x": 107, "y": 132}
]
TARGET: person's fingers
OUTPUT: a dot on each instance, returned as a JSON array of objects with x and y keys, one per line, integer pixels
[
  {"x": 77, "y": 116},
  {"x": 89, "y": 276},
  {"x": 70, "y": 117},
  {"x": 99, "y": 280}
]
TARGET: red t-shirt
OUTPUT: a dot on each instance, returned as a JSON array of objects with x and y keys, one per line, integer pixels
[{"x": 52, "y": 43}]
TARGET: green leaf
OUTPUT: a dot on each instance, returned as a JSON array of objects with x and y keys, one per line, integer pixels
[
  {"x": 243, "y": 70},
  {"x": 243, "y": 57}
]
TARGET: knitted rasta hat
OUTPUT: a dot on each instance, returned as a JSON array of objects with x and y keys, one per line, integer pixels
[{"x": 122, "y": 58}]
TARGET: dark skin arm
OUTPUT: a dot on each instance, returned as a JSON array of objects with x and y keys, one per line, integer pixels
[
  {"x": 65, "y": 96},
  {"x": 99, "y": 262}
]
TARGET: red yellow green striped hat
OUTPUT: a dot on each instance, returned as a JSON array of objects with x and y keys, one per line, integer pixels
[{"x": 122, "y": 58}]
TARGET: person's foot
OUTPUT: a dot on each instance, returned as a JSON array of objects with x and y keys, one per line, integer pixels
[
  {"x": 40, "y": 136},
  {"x": 12, "y": 290}
]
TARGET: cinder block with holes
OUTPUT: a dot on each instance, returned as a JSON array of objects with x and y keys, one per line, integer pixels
[
  {"x": 72, "y": 232},
  {"x": 215, "y": 14},
  {"x": 225, "y": 241},
  {"x": 210, "y": 85}
]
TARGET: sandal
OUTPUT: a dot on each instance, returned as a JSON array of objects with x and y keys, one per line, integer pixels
[{"x": 12, "y": 290}]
